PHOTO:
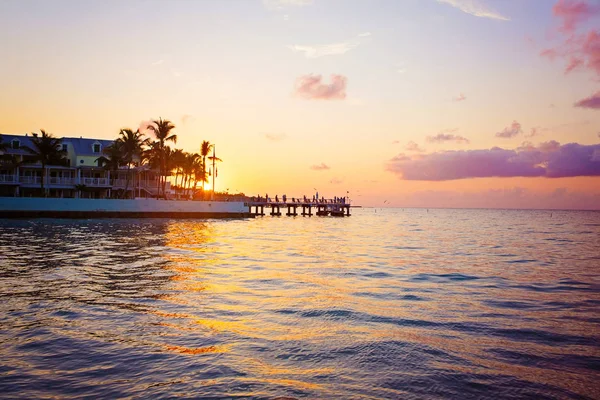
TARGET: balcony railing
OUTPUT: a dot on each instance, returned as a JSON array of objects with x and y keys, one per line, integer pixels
[
  {"x": 53, "y": 180},
  {"x": 30, "y": 180},
  {"x": 95, "y": 181},
  {"x": 8, "y": 179}
]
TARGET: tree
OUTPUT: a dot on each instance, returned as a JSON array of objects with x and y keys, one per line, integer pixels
[
  {"x": 47, "y": 150},
  {"x": 132, "y": 144},
  {"x": 162, "y": 131},
  {"x": 3, "y": 146},
  {"x": 113, "y": 159},
  {"x": 205, "y": 149}
]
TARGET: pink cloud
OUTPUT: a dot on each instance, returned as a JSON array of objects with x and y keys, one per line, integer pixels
[
  {"x": 549, "y": 159},
  {"x": 312, "y": 87},
  {"x": 460, "y": 97},
  {"x": 590, "y": 102},
  {"x": 412, "y": 146},
  {"x": 321, "y": 167},
  {"x": 513, "y": 130},
  {"x": 447, "y": 135},
  {"x": 574, "y": 12},
  {"x": 581, "y": 51}
]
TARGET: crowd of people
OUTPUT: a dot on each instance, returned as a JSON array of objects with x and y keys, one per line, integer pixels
[{"x": 304, "y": 199}]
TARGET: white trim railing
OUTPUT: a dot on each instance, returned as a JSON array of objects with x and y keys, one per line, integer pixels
[
  {"x": 55, "y": 180},
  {"x": 8, "y": 178},
  {"x": 95, "y": 181},
  {"x": 30, "y": 180}
]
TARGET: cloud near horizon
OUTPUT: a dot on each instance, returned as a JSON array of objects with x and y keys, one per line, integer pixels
[
  {"x": 474, "y": 7},
  {"x": 412, "y": 146},
  {"x": 279, "y": 4},
  {"x": 275, "y": 137},
  {"x": 592, "y": 102},
  {"x": 460, "y": 97},
  {"x": 312, "y": 87},
  {"x": 549, "y": 159},
  {"x": 447, "y": 136},
  {"x": 513, "y": 130},
  {"x": 320, "y": 167}
]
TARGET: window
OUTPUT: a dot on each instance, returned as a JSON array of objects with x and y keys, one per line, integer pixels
[
  {"x": 15, "y": 144},
  {"x": 97, "y": 148},
  {"x": 65, "y": 147},
  {"x": 80, "y": 161}
]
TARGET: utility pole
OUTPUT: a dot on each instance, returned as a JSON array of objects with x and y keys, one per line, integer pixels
[{"x": 214, "y": 171}]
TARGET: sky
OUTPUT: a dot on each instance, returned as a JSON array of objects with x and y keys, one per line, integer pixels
[{"x": 401, "y": 103}]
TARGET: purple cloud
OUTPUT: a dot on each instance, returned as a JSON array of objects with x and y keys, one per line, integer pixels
[
  {"x": 412, "y": 146},
  {"x": 513, "y": 130},
  {"x": 312, "y": 87},
  {"x": 549, "y": 159},
  {"x": 590, "y": 102},
  {"x": 447, "y": 136},
  {"x": 321, "y": 167}
]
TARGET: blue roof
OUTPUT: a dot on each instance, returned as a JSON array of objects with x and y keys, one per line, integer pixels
[
  {"x": 24, "y": 141},
  {"x": 84, "y": 146},
  {"x": 81, "y": 146}
]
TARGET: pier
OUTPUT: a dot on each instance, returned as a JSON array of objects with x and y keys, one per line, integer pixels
[{"x": 303, "y": 207}]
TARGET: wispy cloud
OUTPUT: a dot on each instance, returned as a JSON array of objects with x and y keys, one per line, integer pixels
[
  {"x": 320, "y": 167},
  {"x": 187, "y": 118},
  {"x": 279, "y": 4},
  {"x": 332, "y": 49},
  {"x": 574, "y": 12},
  {"x": 550, "y": 160},
  {"x": 158, "y": 62},
  {"x": 312, "y": 87},
  {"x": 275, "y": 137},
  {"x": 412, "y": 146},
  {"x": 592, "y": 102},
  {"x": 476, "y": 8},
  {"x": 460, "y": 97},
  {"x": 513, "y": 130},
  {"x": 447, "y": 135},
  {"x": 336, "y": 181}
]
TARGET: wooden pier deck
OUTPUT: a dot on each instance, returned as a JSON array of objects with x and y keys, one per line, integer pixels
[{"x": 322, "y": 207}]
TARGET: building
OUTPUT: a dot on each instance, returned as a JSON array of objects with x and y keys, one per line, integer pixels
[{"x": 80, "y": 176}]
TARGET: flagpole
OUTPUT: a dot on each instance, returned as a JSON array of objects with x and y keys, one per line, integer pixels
[{"x": 212, "y": 195}]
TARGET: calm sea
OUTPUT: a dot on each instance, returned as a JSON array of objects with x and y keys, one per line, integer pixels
[{"x": 389, "y": 303}]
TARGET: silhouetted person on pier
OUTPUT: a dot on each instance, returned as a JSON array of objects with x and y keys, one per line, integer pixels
[
  {"x": 276, "y": 199},
  {"x": 267, "y": 197}
]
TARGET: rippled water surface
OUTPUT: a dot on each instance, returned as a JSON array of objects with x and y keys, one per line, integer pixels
[{"x": 384, "y": 304}]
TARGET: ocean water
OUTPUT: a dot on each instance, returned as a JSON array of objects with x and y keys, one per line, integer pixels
[{"x": 386, "y": 304}]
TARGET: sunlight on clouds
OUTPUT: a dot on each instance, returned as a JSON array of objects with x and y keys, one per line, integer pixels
[
  {"x": 474, "y": 7},
  {"x": 332, "y": 49}
]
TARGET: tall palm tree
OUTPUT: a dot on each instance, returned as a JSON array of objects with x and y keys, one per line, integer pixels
[
  {"x": 47, "y": 150},
  {"x": 178, "y": 160},
  {"x": 162, "y": 131},
  {"x": 113, "y": 158},
  {"x": 205, "y": 149},
  {"x": 132, "y": 144},
  {"x": 3, "y": 146}
]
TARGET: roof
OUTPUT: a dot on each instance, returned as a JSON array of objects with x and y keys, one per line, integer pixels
[
  {"x": 24, "y": 141},
  {"x": 84, "y": 146}
]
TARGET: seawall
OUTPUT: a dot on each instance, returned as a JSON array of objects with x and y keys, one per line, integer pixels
[{"x": 35, "y": 207}]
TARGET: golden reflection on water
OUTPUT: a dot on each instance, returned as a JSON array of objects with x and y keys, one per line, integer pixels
[{"x": 324, "y": 307}]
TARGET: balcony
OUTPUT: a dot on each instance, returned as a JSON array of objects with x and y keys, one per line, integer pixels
[
  {"x": 8, "y": 179},
  {"x": 61, "y": 181},
  {"x": 95, "y": 182},
  {"x": 30, "y": 180}
]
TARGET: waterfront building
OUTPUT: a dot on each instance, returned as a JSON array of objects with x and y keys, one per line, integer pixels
[{"x": 80, "y": 175}]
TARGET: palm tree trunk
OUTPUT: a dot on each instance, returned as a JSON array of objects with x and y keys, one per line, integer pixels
[
  {"x": 43, "y": 178},
  {"x": 127, "y": 180}
]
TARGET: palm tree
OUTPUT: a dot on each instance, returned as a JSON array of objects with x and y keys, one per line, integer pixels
[
  {"x": 3, "y": 146},
  {"x": 47, "y": 150},
  {"x": 178, "y": 160},
  {"x": 162, "y": 131},
  {"x": 205, "y": 149},
  {"x": 113, "y": 159},
  {"x": 132, "y": 144}
]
